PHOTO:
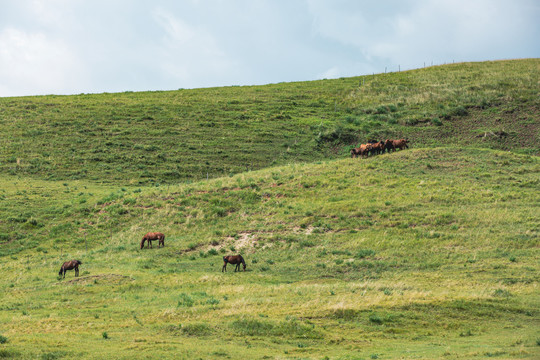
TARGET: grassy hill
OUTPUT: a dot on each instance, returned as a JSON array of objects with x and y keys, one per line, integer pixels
[
  {"x": 186, "y": 135},
  {"x": 430, "y": 252}
]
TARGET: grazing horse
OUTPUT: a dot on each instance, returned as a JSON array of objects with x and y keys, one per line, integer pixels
[
  {"x": 153, "y": 236},
  {"x": 70, "y": 265},
  {"x": 401, "y": 144},
  {"x": 389, "y": 145},
  {"x": 233, "y": 259},
  {"x": 377, "y": 148},
  {"x": 362, "y": 150}
]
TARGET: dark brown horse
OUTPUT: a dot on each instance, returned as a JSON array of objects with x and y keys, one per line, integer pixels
[
  {"x": 153, "y": 236},
  {"x": 70, "y": 265},
  {"x": 362, "y": 150},
  {"x": 235, "y": 260},
  {"x": 389, "y": 146}
]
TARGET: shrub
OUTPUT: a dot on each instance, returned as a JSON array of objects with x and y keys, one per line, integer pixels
[
  {"x": 339, "y": 134},
  {"x": 411, "y": 121},
  {"x": 3, "y": 339},
  {"x": 287, "y": 328},
  {"x": 363, "y": 253},
  {"x": 376, "y": 319},
  {"x": 460, "y": 111},
  {"x": 436, "y": 122},
  {"x": 346, "y": 314},
  {"x": 197, "y": 329},
  {"x": 306, "y": 243},
  {"x": 5, "y": 354},
  {"x": 185, "y": 300},
  {"x": 212, "y": 301},
  {"x": 382, "y": 110},
  {"x": 105, "y": 335}
]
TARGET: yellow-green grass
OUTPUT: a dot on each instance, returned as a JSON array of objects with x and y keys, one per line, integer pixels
[{"x": 422, "y": 253}]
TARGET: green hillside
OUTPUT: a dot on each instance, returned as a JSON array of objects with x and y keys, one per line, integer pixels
[
  {"x": 426, "y": 253},
  {"x": 175, "y": 136}
]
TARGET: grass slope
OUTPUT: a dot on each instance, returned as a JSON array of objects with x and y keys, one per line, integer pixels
[
  {"x": 422, "y": 253},
  {"x": 187, "y": 135}
]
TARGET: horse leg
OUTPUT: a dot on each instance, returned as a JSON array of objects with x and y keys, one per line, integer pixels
[
  {"x": 64, "y": 275},
  {"x": 224, "y": 268},
  {"x": 76, "y": 271}
]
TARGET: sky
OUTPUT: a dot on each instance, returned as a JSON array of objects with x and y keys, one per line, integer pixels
[{"x": 96, "y": 46}]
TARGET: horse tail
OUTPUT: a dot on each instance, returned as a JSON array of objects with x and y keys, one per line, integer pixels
[{"x": 79, "y": 262}]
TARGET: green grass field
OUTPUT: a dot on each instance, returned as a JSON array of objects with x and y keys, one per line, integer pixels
[{"x": 430, "y": 252}]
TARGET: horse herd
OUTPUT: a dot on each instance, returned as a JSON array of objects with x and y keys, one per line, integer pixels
[
  {"x": 148, "y": 238},
  {"x": 374, "y": 147}
]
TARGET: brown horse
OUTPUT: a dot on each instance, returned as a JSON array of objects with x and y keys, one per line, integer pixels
[
  {"x": 233, "y": 259},
  {"x": 153, "y": 236},
  {"x": 362, "y": 150},
  {"x": 401, "y": 144},
  {"x": 70, "y": 265},
  {"x": 377, "y": 147}
]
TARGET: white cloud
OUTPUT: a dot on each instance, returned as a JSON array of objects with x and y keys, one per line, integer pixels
[
  {"x": 32, "y": 63},
  {"x": 331, "y": 73},
  {"x": 66, "y": 46},
  {"x": 189, "y": 53},
  {"x": 411, "y": 32}
]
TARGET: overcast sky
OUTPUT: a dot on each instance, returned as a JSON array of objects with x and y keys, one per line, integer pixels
[{"x": 93, "y": 46}]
